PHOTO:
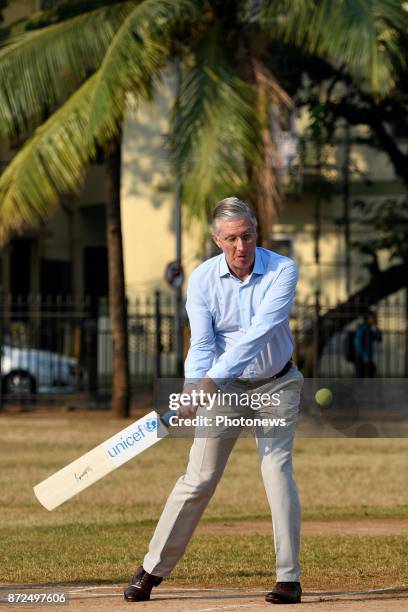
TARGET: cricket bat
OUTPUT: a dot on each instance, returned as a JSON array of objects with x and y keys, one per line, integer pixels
[{"x": 102, "y": 459}]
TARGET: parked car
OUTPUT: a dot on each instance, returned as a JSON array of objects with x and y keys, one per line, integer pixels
[{"x": 28, "y": 371}]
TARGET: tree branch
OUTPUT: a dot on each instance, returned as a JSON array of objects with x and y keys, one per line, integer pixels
[{"x": 369, "y": 116}]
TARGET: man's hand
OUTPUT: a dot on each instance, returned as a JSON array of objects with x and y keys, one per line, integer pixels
[
  {"x": 186, "y": 408},
  {"x": 189, "y": 398}
]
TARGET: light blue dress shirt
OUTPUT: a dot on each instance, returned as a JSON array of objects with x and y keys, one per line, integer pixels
[{"x": 240, "y": 329}]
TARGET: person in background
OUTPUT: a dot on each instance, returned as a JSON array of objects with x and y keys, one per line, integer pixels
[{"x": 366, "y": 336}]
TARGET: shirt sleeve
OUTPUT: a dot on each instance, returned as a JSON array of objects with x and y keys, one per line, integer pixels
[
  {"x": 273, "y": 310},
  {"x": 202, "y": 344}
]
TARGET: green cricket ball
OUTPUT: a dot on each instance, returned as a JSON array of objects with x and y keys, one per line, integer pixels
[{"x": 324, "y": 397}]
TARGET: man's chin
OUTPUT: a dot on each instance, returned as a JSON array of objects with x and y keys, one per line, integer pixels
[{"x": 243, "y": 264}]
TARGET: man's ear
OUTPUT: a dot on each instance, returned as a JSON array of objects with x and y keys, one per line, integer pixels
[{"x": 216, "y": 240}]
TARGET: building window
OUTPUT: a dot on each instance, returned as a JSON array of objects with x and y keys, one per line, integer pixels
[{"x": 282, "y": 244}]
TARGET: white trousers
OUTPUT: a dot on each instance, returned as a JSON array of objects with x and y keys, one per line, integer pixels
[{"x": 208, "y": 457}]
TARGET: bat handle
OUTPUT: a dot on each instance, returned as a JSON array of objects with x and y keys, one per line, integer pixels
[{"x": 165, "y": 417}]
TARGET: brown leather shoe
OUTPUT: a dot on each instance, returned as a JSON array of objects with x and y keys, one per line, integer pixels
[
  {"x": 285, "y": 593},
  {"x": 140, "y": 586}
]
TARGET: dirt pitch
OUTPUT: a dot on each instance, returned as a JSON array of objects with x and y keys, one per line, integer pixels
[{"x": 109, "y": 598}]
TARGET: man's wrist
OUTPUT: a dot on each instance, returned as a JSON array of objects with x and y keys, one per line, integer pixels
[{"x": 189, "y": 387}]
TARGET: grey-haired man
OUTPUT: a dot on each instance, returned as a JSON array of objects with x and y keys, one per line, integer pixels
[{"x": 238, "y": 305}]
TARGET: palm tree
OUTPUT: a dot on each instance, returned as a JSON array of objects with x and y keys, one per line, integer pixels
[{"x": 77, "y": 63}]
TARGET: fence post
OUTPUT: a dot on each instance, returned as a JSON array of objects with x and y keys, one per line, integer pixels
[
  {"x": 158, "y": 325},
  {"x": 406, "y": 333},
  {"x": 1, "y": 346},
  {"x": 316, "y": 335},
  {"x": 90, "y": 329}
]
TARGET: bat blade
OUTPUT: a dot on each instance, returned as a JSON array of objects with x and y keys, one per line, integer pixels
[{"x": 100, "y": 461}]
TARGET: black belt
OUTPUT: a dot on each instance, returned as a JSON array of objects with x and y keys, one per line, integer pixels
[
  {"x": 284, "y": 370},
  {"x": 251, "y": 383}
]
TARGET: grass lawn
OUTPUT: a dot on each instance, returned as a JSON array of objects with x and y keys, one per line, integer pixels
[{"x": 102, "y": 534}]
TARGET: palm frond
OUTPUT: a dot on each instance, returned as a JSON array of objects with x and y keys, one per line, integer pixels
[
  {"x": 215, "y": 129},
  {"x": 52, "y": 16},
  {"x": 134, "y": 60},
  {"x": 52, "y": 162},
  {"x": 40, "y": 68},
  {"x": 363, "y": 34},
  {"x": 63, "y": 10}
]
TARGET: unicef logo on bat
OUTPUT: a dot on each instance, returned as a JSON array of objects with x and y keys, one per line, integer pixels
[
  {"x": 127, "y": 443},
  {"x": 150, "y": 425}
]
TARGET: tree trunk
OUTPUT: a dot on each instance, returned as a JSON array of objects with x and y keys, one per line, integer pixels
[
  {"x": 263, "y": 177},
  {"x": 117, "y": 294}
]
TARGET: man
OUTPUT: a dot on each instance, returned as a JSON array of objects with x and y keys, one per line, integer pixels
[
  {"x": 365, "y": 337},
  {"x": 238, "y": 305}
]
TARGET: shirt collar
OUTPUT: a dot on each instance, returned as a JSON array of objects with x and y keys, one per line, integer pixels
[{"x": 259, "y": 265}]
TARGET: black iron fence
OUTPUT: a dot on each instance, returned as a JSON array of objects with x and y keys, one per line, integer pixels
[
  {"x": 152, "y": 341},
  {"x": 57, "y": 346}
]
